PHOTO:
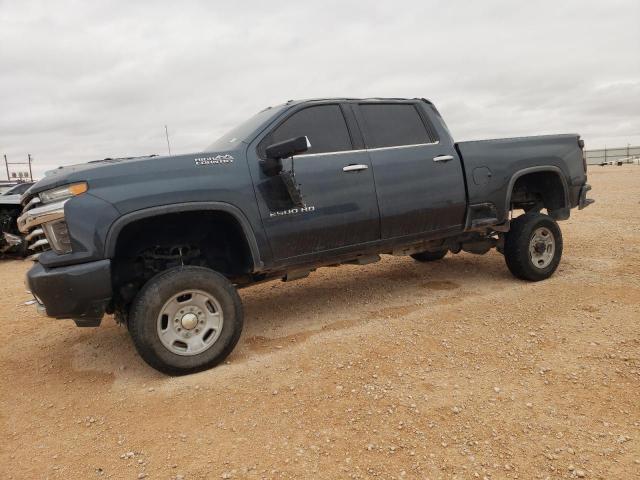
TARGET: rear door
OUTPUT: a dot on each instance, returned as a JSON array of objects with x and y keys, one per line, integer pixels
[
  {"x": 419, "y": 179},
  {"x": 335, "y": 180}
]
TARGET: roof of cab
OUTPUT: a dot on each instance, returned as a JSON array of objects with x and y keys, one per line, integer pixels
[{"x": 353, "y": 99}]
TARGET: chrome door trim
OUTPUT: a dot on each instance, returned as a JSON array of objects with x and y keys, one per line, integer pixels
[
  {"x": 403, "y": 146},
  {"x": 341, "y": 152},
  {"x": 366, "y": 150}
]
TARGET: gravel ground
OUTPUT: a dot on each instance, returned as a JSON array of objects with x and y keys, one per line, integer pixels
[{"x": 391, "y": 370}]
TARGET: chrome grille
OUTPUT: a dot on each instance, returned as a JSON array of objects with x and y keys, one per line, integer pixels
[{"x": 37, "y": 242}]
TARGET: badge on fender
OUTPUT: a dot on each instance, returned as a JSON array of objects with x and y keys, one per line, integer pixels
[
  {"x": 218, "y": 159},
  {"x": 292, "y": 211}
]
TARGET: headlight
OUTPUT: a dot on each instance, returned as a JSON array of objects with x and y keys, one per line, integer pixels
[{"x": 61, "y": 193}]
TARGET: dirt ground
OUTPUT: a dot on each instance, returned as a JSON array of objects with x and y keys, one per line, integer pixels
[{"x": 392, "y": 370}]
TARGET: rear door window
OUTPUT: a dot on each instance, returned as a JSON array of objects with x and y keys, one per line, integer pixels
[{"x": 393, "y": 125}]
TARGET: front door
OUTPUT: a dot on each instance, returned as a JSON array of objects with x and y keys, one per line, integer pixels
[
  {"x": 419, "y": 179},
  {"x": 336, "y": 183}
]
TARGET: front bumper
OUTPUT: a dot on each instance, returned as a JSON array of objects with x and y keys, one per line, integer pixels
[
  {"x": 81, "y": 292},
  {"x": 583, "y": 201}
]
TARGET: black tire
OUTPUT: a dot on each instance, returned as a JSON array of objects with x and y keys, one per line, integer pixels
[
  {"x": 429, "y": 256},
  {"x": 517, "y": 247},
  {"x": 146, "y": 308}
]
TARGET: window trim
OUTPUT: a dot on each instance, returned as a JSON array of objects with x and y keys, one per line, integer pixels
[
  {"x": 369, "y": 149},
  {"x": 428, "y": 128},
  {"x": 260, "y": 150},
  {"x": 432, "y": 132}
]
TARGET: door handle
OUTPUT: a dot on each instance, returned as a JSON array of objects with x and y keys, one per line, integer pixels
[
  {"x": 355, "y": 168},
  {"x": 443, "y": 158}
]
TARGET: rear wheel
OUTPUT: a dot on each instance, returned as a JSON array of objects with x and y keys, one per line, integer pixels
[
  {"x": 185, "y": 320},
  {"x": 533, "y": 247},
  {"x": 429, "y": 256}
]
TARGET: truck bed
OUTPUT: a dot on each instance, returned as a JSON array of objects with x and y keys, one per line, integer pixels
[{"x": 492, "y": 166}]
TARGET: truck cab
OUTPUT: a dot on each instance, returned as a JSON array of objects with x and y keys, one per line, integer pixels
[{"x": 375, "y": 171}]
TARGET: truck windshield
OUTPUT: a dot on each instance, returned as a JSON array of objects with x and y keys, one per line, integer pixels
[{"x": 241, "y": 133}]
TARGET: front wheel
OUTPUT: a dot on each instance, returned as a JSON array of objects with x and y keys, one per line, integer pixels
[
  {"x": 533, "y": 247},
  {"x": 185, "y": 320}
]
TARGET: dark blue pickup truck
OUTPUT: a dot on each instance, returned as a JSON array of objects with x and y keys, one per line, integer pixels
[{"x": 163, "y": 242}]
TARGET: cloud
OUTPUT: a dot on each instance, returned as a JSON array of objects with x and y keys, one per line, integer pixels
[{"x": 87, "y": 80}]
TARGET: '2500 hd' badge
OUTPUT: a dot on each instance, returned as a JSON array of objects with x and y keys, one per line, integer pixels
[
  {"x": 214, "y": 160},
  {"x": 292, "y": 211}
]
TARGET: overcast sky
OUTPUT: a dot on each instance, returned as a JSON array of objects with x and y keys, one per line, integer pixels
[{"x": 86, "y": 80}]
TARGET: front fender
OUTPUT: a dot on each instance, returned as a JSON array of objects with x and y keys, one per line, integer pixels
[
  {"x": 88, "y": 218},
  {"x": 123, "y": 221}
]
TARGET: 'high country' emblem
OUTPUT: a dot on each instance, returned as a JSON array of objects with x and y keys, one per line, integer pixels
[{"x": 214, "y": 160}]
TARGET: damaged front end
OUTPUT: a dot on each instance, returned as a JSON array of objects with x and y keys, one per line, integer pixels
[{"x": 11, "y": 241}]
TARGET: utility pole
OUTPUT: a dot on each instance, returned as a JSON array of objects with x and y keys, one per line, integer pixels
[
  {"x": 166, "y": 132},
  {"x": 19, "y": 176}
]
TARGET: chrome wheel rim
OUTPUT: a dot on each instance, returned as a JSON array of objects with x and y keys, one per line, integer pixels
[
  {"x": 542, "y": 247},
  {"x": 190, "y": 322}
]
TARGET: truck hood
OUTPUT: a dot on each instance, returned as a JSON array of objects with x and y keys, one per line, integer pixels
[
  {"x": 79, "y": 172},
  {"x": 137, "y": 175}
]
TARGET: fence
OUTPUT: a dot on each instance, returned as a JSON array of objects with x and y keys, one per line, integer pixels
[{"x": 626, "y": 154}]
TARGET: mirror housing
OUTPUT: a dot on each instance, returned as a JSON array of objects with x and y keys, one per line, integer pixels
[
  {"x": 287, "y": 148},
  {"x": 272, "y": 166}
]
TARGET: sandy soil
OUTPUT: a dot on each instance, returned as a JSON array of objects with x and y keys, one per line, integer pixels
[{"x": 391, "y": 370}]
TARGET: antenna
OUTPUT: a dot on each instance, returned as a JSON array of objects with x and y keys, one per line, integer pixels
[{"x": 166, "y": 132}]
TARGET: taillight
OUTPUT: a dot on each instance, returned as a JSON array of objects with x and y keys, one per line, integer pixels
[{"x": 584, "y": 155}]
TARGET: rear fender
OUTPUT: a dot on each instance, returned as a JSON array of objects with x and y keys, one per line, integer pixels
[{"x": 560, "y": 214}]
